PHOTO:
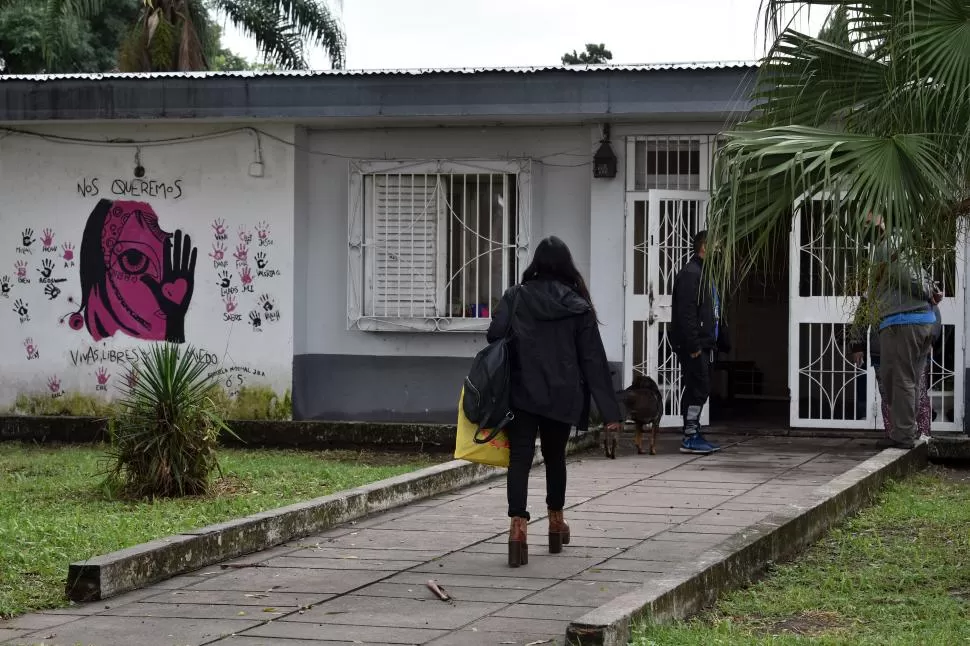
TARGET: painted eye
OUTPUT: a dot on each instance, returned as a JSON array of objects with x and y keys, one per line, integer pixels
[{"x": 133, "y": 262}]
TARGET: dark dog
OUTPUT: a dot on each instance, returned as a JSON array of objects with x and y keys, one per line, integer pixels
[{"x": 644, "y": 404}]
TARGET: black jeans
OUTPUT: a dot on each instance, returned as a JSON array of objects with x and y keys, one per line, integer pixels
[
  {"x": 696, "y": 375},
  {"x": 522, "y": 446}
]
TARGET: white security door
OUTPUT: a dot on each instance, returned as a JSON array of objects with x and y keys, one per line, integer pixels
[
  {"x": 660, "y": 227},
  {"x": 827, "y": 389}
]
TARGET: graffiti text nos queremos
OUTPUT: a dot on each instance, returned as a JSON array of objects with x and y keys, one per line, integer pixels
[
  {"x": 136, "y": 188},
  {"x": 94, "y": 356}
]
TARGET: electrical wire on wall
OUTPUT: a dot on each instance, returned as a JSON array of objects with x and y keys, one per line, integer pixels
[{"x": 259, "y": 134}]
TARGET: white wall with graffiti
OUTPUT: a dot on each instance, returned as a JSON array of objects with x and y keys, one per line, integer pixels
[{"x": 106, "y": 248}]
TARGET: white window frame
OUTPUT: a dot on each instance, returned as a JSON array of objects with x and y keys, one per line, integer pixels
[{"x": 360, "y": 289}]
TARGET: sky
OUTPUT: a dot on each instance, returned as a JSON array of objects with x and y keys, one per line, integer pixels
[{"x": 385, "y": 34}]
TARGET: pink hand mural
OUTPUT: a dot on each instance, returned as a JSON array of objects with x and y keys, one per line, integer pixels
[
  {"x": 218, "y": 251},
  {"x": 54, "y": 384},
  {"x": 246, "y": 275},
  {"x": 139, "y": 279},
  {"x": 21, "y": 267},
  {"x": 32, "y": 351},
  {"x": 230, "y": 304},
  {"x": 219, "y": 228},
  {"x": 68, "y": 250},
  {"x": 47, "y": 238},
  {"x": 242, "y": 252},
  {"x": 102, "y": 376},
  {"x": 262, "y": 230}
]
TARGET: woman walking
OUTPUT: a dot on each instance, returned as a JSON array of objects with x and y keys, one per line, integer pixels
[{"x": 557, "y": 363}]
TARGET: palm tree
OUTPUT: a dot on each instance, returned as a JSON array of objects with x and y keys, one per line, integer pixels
[
  {"x": 879, "y": 125},
  {"x": 171, "y": 35}
]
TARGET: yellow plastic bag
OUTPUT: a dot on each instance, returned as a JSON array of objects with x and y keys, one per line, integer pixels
[{"x": 494, "y": 453}]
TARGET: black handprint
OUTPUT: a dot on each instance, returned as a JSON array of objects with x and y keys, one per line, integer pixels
[
  {"x": 20, "y": 308},
  {"x": 52, "y": 291},
  {"x": 255, "y": 319},
  {"x": 47, "y": 269},
  {"x": 267, "y": 302},
  {"x": 226, "y": 280},
  {"x": 28, "y": 237},
  {"x": 174, "y": 293},
  {"x": 5, "y": 285}
]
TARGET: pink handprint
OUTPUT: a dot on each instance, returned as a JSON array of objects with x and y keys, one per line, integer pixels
[
  {"x": 21, "y": 267},
  {"x": 54, "y": 384},
  {"x": 230, "y": 304},
  {"x": 246, "y": 275},
  {"x": 218, "y": 251},
  {"x": 262, "y": 230},
  {"x": 30, "y": 347},
  {"x": 242, "y": 252},
  {"x": 68, "y": 251},
  {"x": 102, "y": 376},
  {"x": 219, "y": 227},
  {"x": 244, "y": 233},
  {"x": 47, "y": 239}
]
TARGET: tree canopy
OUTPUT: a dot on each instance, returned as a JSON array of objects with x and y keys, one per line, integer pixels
[{"x": 593, "y": 55}]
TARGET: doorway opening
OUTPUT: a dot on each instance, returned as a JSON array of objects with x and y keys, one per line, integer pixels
[{"x": 749, "y": 384}]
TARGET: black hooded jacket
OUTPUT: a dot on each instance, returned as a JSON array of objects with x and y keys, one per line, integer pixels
[
  {"x": 558, "y": 359},
  {"x": 696, "y": 322}
]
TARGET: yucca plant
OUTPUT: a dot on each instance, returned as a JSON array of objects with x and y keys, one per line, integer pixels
[{"x": 165, "y": 433}]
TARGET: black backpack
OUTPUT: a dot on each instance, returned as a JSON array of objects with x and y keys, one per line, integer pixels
[{"x": 487, "y": 386}]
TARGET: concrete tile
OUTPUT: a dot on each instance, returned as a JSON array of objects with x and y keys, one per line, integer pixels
[
  {"x": 412, "y": 540},
  {"x": 27, "y": 623},
  {"x": 469, "y": 581},
  {"x": 267, "y": 579},
  {"x": 287, "y": 630},
  {"x": 432, "y": 614},
  {"x": 112, "y": 631},
  {"x": 363, "y": 553},
  {"x": 200, "y": 611},
  {"x": 522, "y": 627},
  {"x": 582, "y": 593},
  {"x": 538, "y": 611},
  {"x": 572, "y": 550},
  {"x": 721, "y": 516},
  {"x": 468, "y": 637},
  {"x": 240, "y": 598},
  {"x": 339, "y": 563},
  {"x": 541, "y": 565},
  {"x": 243, "y": 640},
  {"x": 9, "y": 634},
  {"x": 458, "y": 593}
]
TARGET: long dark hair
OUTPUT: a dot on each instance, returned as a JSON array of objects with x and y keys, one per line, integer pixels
[{"x": 553, "y": 261}]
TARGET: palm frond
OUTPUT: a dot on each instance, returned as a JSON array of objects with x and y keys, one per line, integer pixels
[
  {"x": 281, "y": 28},
  {"x": 761, "y": 174}
]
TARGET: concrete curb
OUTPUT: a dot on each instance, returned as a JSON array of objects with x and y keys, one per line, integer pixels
[
  {"x": 111, "y": 574},
  {"x": 745, "y": 555}
]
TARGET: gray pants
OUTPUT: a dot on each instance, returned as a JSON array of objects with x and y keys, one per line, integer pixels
[{"x": 904, "y": 352}]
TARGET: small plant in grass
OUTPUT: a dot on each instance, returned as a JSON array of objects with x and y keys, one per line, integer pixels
[{"x": 165, "y": 432}]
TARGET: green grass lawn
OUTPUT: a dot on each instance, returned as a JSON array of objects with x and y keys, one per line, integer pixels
[
  {"x": 53, "y": 510},
  {"x": 899, "y": 573}
]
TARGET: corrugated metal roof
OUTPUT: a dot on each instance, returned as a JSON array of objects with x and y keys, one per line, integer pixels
[{"x": 651, "y": 67}]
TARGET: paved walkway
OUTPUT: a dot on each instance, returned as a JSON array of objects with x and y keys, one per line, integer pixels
[{"x": 631, "y": 519}]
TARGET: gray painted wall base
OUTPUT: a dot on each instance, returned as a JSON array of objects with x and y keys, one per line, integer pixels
[{"x": 381, "y": 389}]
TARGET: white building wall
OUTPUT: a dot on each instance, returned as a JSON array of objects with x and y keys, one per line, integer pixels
[
  {"x": 561, "y": 199},
  {"x": 196, "y": 187}
]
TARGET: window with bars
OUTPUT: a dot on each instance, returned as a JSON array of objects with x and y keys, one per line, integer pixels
[
  {"x": 433, "y": 248},
  {"x": 670, "y": 162}
]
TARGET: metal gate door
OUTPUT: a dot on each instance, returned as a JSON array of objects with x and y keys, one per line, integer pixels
[
  {"x": 827, "y": 389},
  {"x": 660, "y": 226}
]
